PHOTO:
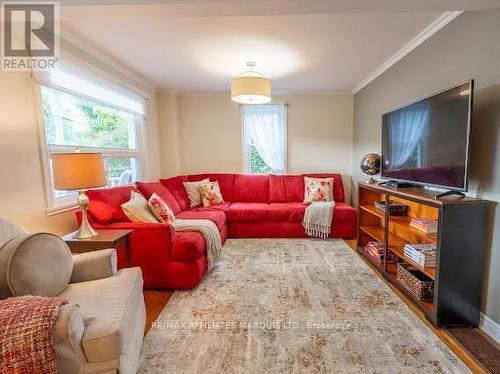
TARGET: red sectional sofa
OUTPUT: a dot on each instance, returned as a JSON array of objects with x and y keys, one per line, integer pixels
[{"x": 256, "y": 206}]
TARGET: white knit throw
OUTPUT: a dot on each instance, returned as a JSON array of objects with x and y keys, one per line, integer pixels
[
  {"x": 209, "y": 231},
  {"x": 318, "y": 219}
]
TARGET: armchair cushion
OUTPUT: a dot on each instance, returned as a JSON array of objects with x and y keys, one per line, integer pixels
[
  {"x": 27, "y": 265},
  {"x": 94, "y": 265},
  {"x": 9, "y": 230},
  {"x": 109, "y": 307}
]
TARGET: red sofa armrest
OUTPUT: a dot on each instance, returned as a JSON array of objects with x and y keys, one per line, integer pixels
[{"x": 148, "y": 242}]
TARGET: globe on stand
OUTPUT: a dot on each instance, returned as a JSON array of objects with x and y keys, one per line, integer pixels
[{"x": 370, "y": 165}]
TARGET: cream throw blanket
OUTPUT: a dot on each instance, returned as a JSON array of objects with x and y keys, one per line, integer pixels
[
  {"x": 318, "y": 219},
  {"x": 209, "y": 231}
]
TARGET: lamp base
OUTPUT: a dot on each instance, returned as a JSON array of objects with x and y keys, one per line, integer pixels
[{"x": 85, "y": 231}]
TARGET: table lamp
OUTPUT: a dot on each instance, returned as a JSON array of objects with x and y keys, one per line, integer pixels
[{"x": 79, "y": 171}]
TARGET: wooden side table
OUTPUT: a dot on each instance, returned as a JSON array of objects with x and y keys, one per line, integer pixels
[{"x": 104, "y": 239}]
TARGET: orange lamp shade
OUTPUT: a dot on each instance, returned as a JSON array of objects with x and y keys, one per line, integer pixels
[{"x": 78, "y": 170}]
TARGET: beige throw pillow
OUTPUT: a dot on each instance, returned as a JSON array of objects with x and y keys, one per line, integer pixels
[
  {"x": 137, "y": 209},
  {"x": 193, "y": 191}
]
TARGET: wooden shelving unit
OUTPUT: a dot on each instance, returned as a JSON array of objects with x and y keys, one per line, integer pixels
[{"x": 460, "y": 247}]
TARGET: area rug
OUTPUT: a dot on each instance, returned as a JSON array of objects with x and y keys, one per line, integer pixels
[{"x": 292, "y": 306}]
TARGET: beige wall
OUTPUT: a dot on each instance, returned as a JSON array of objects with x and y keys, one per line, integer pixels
[
  {"x": 467, "y": 48},
  {"x": 209, "y": 133},
  {"x": 22, "y": 194}
]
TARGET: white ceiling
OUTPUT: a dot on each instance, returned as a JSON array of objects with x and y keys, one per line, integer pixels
[{"x": 193, "y": 46}]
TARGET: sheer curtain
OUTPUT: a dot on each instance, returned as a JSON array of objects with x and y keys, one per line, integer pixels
[
  {"x": 264, "y": 127},
  {"x": 407, "y": 127}
]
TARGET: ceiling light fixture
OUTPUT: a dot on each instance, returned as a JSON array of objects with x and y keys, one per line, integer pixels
[{"x": 250, "y": 87}]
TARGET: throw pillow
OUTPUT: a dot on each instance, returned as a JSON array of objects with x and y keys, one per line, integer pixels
[
  {"x": 160, "y": 209},
  {"x": 193, "y": 191},
  {"x": 318, "y": 189},
  {"x": 137, "y": 209},
  {"x": 210, "y": 194}
]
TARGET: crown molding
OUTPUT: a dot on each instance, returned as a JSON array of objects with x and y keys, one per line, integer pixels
[{"x": 441, "y": 21}]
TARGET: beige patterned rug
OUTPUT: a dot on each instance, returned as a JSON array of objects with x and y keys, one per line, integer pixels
[{"x": 292, "y": 306}]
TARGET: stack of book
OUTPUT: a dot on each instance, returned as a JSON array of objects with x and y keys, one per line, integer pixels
[
  {"x": 422, "y": 254},
  {"x": 427, "y": 225},
  {"x": 375, "y": 250},
  {"x": 395, "y": 208}
]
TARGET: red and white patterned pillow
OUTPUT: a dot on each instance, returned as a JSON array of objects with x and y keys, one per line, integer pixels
[
  {"x": 210, "y": 194},
  {"x": 160, "y": 209},
  {"x": 318, "y": 189}
]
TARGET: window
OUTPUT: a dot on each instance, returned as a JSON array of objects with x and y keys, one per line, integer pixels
[
  {"x": 73, "y": 121},
  {"x": 264, "y": 138}
]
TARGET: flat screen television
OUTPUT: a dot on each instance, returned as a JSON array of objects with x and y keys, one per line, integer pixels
[{"x": 427, "y": 142}]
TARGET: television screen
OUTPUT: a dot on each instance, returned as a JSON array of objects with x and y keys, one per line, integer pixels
[{"x": 427, "y": 142}]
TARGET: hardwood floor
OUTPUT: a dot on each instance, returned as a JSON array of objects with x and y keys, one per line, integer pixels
[{"x": 156, "y": 301}]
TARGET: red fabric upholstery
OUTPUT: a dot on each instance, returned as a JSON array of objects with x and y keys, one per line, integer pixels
[
  {"x": 105, "y": 204},
  {"x": 148, "y": 188},
  {"x": 346, "y": 230},
  {"x": 217, "y": 207},
  {"x": 257, "y": 206},
  {"x": 248, "y": 212},
  {"x": 286, "y": 188},
  {"x": 251, "y": 188},
  {"x": 150, "y": 245},
  {"x": 188, "y": 247},
  {"x": 338, "y": 185},
  {"x": 286, "y": 212},
  {"x": 344, "y": 213},
  {"x": 177, "y": 189},
  {"x": 226, "y": 183},
  {"x": 216, "y": 216}
]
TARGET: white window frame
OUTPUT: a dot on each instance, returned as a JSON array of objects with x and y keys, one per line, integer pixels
[
  {"x": 66, "y": 203},
  {"x": 244, "y": 139}
]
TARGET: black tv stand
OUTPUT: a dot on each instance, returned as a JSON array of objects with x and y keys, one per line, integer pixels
[
  {"x": 396, "y": 184},
  {"x": 449, "y": 193}
]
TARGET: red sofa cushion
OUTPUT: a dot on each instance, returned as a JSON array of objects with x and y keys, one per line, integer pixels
[
  {"x": 248, "y": 212},
  {"x": 286, "y": 188},
  {"x": 177, "y": 189},
  {"x": 217, "y": 207},
  {"x": 226, "y": 183},
  {"x": 344, "y": 213},
  {"x": 338, "y": 186},
  {"x": 217, "y": 217},
  {"x": 251, "y": 188},
  {"x": 105, "y": 204},
  {"x": 286, "y": 212},
  {"x": 148, "y": 188},
  {"x": 188, "y": 246}
]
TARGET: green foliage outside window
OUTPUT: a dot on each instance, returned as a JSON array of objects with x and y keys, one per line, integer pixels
[
  {"x": 257, "y": 164},
  {"x": 108, "y": 129}
]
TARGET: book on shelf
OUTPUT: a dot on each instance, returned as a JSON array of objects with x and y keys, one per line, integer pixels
[
  {"x": 375, "y": 250},
  {"x": 427, "y": 225},
  {"x": 422, "y": 254}
]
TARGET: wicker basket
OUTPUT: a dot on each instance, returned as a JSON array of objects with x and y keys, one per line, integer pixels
[
  {"x": 417, "y": 283},
  {"x": 395, "y": 208}
]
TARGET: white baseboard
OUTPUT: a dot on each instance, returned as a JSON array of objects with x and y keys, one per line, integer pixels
[{"x": 490, "y": 327}]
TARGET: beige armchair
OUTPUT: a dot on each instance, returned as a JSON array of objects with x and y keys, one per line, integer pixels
[{"x": 101, "y": 329}]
